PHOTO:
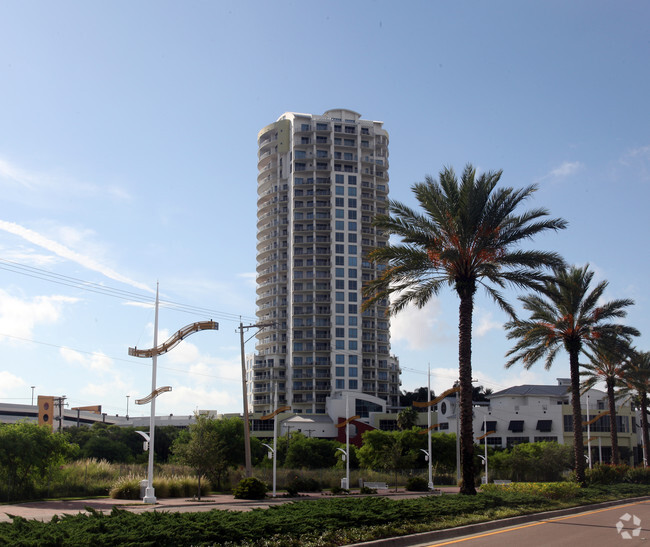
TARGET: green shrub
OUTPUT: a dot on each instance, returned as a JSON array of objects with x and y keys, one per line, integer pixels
[
  {"x": 302, "y": 484},
  {"x": 638, "y": 475},
  {"x": 367, "y": 490},
  {"x": 603, "y": 473},
  {"x": 417, "y": 484},
  {"x": 337, "y": 490},
  {"x": 250, "y": 489},
  {"x": 548, "y": 490}
]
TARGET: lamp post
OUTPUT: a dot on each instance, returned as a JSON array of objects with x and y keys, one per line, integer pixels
[
  {"x": 154, "y": 352},
  {"x": 33, "y": 395},
  {"x": 346, "y": 452},
  {"x": 127, "y": 406}
]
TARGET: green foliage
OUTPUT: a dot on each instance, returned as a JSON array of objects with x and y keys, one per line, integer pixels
[
  {"x": 542, "y": 461},
  {"x": 417, "y": 484},
  {"x": 603, "y": 473},
  {"x": 304, "y": 484},
  {"x": 367, "y": 490},
  {"x": 29, "y": 455},
  {"x": 332, "y": 521},
  {"x": 251, "y": 489},
  {"x": 211, "y": 446},
  {"x": 638, "y": 475},
  {"x": 128, "y": 487},
  {"x": 407, "y": 418},
  {"x": 310, "y": 453},
  {"x": 550, "y": 490},
  {"x": 337, "y": 490}
]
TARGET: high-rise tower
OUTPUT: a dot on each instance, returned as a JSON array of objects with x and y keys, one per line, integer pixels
[{"x": 321, "y": 180}]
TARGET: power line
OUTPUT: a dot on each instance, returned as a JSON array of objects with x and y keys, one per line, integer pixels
[
  {"x": 60, "y": 279},
  {"x": 131, "y": 362}
]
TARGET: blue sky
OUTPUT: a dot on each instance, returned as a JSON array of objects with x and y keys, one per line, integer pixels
[{"x": 128, "y": 156}]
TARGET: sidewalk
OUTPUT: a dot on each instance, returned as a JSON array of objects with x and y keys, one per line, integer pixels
[{"x": 45, "y": 510}]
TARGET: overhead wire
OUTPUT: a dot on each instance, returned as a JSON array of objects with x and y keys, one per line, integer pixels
[{"x": 52, "y": 277}]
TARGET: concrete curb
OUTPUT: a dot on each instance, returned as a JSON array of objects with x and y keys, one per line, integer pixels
[{"x": 449, "y": 533}]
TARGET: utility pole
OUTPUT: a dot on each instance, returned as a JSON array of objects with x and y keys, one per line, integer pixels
[{"x": 247, "y": 430}]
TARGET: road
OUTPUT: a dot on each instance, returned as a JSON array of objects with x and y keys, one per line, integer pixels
[{"x": 625, "y": 524}]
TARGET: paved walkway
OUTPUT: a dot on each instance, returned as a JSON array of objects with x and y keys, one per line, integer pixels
[{"x": 45, "y": 510}]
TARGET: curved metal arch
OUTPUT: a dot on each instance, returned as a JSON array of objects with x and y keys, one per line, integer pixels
[{"x": 176, "y": 339}]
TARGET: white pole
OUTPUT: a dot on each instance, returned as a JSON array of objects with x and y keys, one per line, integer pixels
[
  {"x": 429, "y": 426},
  {"x": 588, "y": 433},
  {"x": 150, "y": 495},
  {"x": 458, "y": 440},
  {"x": 485, "y": 445},
  {"x": 600, "y": 451},
  {"x": 347, "y": 443},
  {"x": 275, "y": 435}
]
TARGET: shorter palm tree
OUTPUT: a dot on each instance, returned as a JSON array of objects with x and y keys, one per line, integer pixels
[
  {"x": 637, "y": 384},
  {"x": 567, "y": 316},
  {"x": 607, "y": 357}
]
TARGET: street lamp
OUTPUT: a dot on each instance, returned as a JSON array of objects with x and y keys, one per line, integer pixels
[
  {"x": 430, "y": 427},
  {"x": 483, "y": 438},
  {"x": 346, "y": 452},
  {"x": 154, "y": 352},
  {"x": 127, "y": 406},
  {"x": 33, "y": 395},
  {"x": 273, "y": 451}
]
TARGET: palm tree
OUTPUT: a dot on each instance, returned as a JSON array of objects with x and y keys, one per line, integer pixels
[
  {"x": 637, "y": 379},
  {"x": 567, "y": 316},
  {"x": 606, "y": 360},
  {"x": 467, "y": 236}
]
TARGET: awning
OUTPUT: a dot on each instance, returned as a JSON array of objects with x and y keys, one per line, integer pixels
[
  {"x": 544, "y": 425},
  {"x": 516, "y": 426},
  {"x": 491, "y": 426}
]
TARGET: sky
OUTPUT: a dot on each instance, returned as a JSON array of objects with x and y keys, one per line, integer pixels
[{"x": 128, "y": 157}]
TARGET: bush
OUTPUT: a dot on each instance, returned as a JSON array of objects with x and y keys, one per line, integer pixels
[
  {"x": 336, "y": 490},
  {"x": 548, "y": 490},
  {"x": 367, "y": 490},
  {"x": 638, "y": 475},
  {"x": 250, "y": 489},
  {"x": 301, "y": 484},
  {"x": 417, "y": 484},
  {"x": 603, "y": 473}
]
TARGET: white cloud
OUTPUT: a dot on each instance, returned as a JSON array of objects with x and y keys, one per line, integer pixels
[
  {"x": 9, "y": 382},
  {"x": 64, "y": 252},
  {"x": 567, "y": 168},
  {"x": 202, "y": 398},
  {"x": 97, "y": 362},
  {"x": 639, "y": 160},
  {"x": 484, "y": 324},
  {"x": 421, "y": 328},
  {"x": 19, "y": 317},
  {"x": 50, "y": 185},
  {"x": 15, "y": 174}
]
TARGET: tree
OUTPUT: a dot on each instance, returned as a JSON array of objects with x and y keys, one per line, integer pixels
[
  {"x": 201, "y": 448},
  {"x": 468, "y": 236},
  {"x": 407, "y": 418},
  {"x": 567, "y": 316},
  {"x": 637, "y": 381},
  {"x": 308, "y": 453},
  {"x": 606, "y": 359},
  {"x": 28, "y": 452},
  {"x": 420, "y": 395}
]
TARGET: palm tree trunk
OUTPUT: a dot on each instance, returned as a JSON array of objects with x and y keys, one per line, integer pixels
[
  {"x": 644, "y": 425},
  {"x": 613, "y": 427},
  {"x": 578, "y": 444},
  {"x": 466, "y": 310}
]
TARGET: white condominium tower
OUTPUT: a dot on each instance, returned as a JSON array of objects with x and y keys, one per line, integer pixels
[{"x": 321, "y": 180}]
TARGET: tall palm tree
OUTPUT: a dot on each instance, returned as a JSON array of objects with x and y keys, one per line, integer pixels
[
  {"x": 637, "y": 379},
  {"x": 467, "y": 236},
  {"x": 567, "y": 316},
  {"x": 607, "y": 357}
]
